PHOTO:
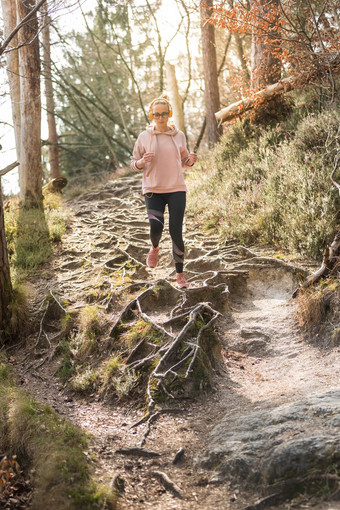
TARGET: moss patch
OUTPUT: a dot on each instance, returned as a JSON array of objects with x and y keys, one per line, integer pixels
[{"x": 49, "y": 445}]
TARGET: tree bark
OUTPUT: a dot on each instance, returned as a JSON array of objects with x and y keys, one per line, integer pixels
[
  {"x": 12, "y": 34},
  {"x": 29, "y": 69},
  {"x": 211, "y": 93},
  {"x": 53, "y": 150},
  {"x": 265, "y": 61},
  {"x": 175, "y": 98},
  {"x": 5, "y": 278},
  {"x": 9, "y": 13}
]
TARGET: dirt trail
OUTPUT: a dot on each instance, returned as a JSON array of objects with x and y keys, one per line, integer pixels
[{"x": 266, "y": 364}]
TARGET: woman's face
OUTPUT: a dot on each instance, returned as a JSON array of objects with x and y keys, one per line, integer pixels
[{"x": 160, "y": 116}]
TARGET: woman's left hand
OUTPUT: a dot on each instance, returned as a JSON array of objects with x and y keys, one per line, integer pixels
[{"x": 192, "y": 158}]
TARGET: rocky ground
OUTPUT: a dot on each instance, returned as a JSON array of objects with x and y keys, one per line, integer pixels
[{"x": 266, "y": 435}]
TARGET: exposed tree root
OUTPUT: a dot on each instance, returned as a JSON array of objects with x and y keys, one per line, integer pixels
[
  {"x": 330, "y": 265},
  {"x": 138, "y": 452},
  {"x": 174, "y": 347},
  {"x": 168, "y": 484},
  {"x": 53, "y": 310}
]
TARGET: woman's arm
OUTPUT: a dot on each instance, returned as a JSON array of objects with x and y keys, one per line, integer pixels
[
  {"x": 137, "y": 155},
  {"x": 140, "y": 156}
]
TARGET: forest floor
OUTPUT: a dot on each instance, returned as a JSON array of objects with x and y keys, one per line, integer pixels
[{"x": 266, "y": 362}]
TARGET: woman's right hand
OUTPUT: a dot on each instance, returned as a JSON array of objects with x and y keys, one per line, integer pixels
[{"x": 148, "y": 157}]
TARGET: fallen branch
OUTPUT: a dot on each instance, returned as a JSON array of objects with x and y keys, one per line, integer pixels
[
  {"x": 9, "y": 168},
  {"x": 271, "y": 91},
  {"x": 330, "y": 261},
  {"x": 168, "y": 484},
  {"x": 138, "y": 452},
  {"x": 55, "y": 185}
]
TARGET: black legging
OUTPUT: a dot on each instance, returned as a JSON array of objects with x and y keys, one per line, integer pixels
[{"x": 155, "y": 207}]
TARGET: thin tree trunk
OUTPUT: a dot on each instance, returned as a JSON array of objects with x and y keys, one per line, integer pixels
[
  {"x": 53, "y": 150},
  {"x": 211, "y": 93},
  {"x": 10, "y": 22},
  {"x": 30, "y": 14},
  {"x": 265, "y": 61},
  {"x": 240, "y": 53},
  {"x": 5, "y": 278},
  {"x": 160, "y": 53},
  {"x": 175, "y": 97},
  {"x": 29, "y": 67}
]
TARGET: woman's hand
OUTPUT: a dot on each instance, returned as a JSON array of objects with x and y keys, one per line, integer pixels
[
  {"x": 192, "y": 158},
  {"x": 147, "y": 158}
]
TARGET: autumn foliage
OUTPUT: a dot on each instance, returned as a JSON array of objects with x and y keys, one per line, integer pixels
[{"x": 295, "y": 38}]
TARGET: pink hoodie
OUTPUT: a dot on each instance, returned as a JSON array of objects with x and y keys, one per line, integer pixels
[{"x": 164, "y": 174}]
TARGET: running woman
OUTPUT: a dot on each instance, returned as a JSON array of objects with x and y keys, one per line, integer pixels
[{"x": 161, "y": 153}]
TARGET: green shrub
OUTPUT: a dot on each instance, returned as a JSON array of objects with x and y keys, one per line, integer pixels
[{"x": 272, "y": 186}]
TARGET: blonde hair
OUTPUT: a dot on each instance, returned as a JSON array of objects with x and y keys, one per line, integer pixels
[{"x": 162, "y": 101}]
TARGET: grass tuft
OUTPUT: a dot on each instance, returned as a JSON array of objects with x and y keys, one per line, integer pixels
[{"x": 91, "y": 322}]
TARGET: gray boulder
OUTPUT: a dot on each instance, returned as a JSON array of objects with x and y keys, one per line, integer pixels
[{"x": 270, "y": 445}]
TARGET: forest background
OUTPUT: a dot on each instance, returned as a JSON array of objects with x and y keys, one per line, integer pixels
[{"x": 255, "y": 88}]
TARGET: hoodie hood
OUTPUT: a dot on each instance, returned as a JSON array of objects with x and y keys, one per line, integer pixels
[{"x": 172, "y": 131}]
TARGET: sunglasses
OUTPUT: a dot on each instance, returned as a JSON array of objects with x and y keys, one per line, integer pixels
[{"x": 159, "y": 115}]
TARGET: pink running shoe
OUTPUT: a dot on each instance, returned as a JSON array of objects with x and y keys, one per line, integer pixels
[
  {"x": 181, "y": 281},
  {"x": 152, "y": 258}
]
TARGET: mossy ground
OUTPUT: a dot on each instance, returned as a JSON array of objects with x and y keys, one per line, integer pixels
[{"x": 51, "y": 448}]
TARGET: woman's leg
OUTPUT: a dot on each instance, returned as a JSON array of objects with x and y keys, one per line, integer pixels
[
  {"x": 155, "y": 208},
  {"x": 176, "y": 205}
]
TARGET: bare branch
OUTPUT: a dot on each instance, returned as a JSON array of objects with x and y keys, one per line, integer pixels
[
  {"x": 9, "y": 168},
  {"x": 17, "y": 28}
]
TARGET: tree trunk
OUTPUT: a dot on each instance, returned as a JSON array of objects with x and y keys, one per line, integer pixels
[
  {"x": 10, "y": 22},
  {"x": 30, "y": 146},
  {"x": 240, "y": 53},
  {"x": 175, "y": 98},
  {"x": 265, "y": 61},
  {"x": 5, "y": 279},
  {"x": 211, "y": 93},
  {"x": 53, "y": 150}
]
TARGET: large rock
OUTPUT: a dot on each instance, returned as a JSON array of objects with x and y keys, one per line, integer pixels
[{"x": 276, "y": 444}]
